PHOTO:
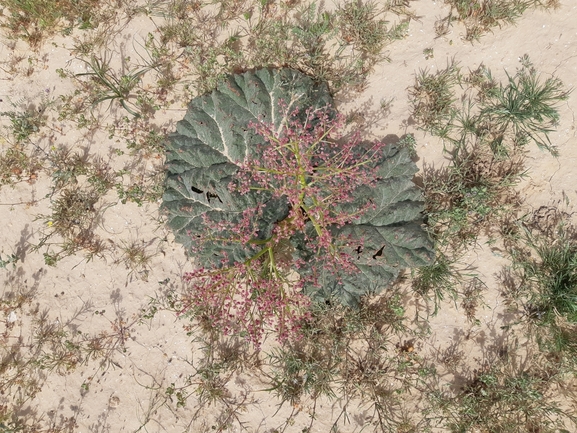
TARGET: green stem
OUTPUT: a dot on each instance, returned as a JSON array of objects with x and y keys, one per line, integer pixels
[{"x": 257, "y": 255}]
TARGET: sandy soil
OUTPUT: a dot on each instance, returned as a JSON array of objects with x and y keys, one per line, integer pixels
[{"x": 128, "y": 394}]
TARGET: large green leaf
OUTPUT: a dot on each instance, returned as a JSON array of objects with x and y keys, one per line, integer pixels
[
  {"x": 386, "y": 250},
  {"x": 389, "y": 237},
  {"x": 214, "y": 138},
  {"x": 395, "y": 196},
  {"x": 209, "y": 143}
]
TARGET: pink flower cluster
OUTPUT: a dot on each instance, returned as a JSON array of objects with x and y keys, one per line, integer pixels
[
  {"x": 239, "y": 300},
  {"x": 305, "y": 161}
]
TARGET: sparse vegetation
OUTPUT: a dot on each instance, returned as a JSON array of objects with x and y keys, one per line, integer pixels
[
  {"x": 85, "y": 157},
  {"x": 480, "y": 17},
  {"x": 111, "y": 88},
  {"x": 485, "y": 137},
  {"x": 505, "y": 397},
  {"x": 541, "y": 283},
  {"x": 34, "y": 20}
]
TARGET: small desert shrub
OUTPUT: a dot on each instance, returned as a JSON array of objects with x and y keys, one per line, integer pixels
[
  {"x": 25, "y": 123},
  {"x": 70, "y": 226},
  {"x": 471, "y": 194},
  {"x": 16, "y": 165},
  {"x": 502, "y": 116},
  {"x": 484, "y": 136},
  {"x": 433, "y": 98},
  {"x": 545, "y": 284},
  {"x": 109, "y": 86},
  {"x": 33, "y": 20},
  {"x": 480, "y": 17},
  {"x": 506, "y": 399}
]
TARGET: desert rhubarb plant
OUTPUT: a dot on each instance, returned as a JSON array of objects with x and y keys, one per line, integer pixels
[{"x": 280, "y": 206}]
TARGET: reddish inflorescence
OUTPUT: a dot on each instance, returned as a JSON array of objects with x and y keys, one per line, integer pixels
[{"x": 309, "y": 164}]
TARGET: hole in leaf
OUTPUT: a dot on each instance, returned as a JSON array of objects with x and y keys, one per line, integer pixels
[
  {"x": 379, "y": 253},
  {"x": 210, "y": 195}
]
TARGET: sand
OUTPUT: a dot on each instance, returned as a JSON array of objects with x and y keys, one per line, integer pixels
[{"x": 83, "y": 299}]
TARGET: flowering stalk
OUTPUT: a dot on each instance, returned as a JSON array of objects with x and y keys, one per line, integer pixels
[
  {"x": 238, "y": 300},
  {"x": 306, "y": 164}
]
